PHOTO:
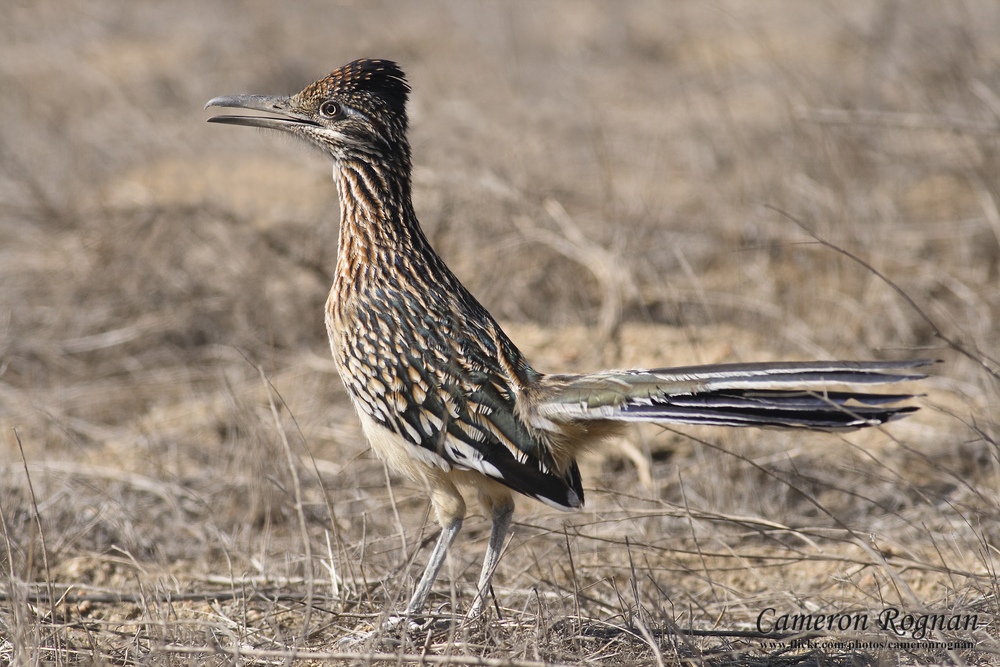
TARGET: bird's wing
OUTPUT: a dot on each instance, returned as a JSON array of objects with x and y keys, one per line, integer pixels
[{"x": 449, "y": 386}]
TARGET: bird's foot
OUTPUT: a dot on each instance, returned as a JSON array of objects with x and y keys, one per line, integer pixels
[
  {"x": 395, "y": 630},
  {"x": 480, "y": 606}
]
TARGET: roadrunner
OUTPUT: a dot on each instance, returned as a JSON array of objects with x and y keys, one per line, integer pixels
[{"x": 444, "y": 396}]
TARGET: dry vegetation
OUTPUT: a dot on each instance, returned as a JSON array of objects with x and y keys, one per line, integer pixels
[{"x": 182, "y": 480}]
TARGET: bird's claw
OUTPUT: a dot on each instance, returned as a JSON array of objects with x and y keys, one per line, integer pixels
[{"x": 392, "y": 630}]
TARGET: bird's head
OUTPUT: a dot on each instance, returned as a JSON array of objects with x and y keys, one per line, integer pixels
[{"x": 358, "y": 112}]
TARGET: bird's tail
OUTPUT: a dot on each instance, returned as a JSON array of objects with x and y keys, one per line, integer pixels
[{"x": 810, "y": 395}]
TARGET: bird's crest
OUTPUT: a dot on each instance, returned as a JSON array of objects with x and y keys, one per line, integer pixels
[{"x": 364, "y": 83}]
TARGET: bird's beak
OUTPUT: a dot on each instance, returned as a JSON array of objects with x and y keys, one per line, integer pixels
[{"x": 285, "y": 117}]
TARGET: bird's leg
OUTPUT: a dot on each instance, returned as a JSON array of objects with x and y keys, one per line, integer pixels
[
  {"x": 450, "y": 509},
  {"x": 393, "y": 624},
  {"x": 448, "y": 534},
  {"x": 502, "y": 512}
]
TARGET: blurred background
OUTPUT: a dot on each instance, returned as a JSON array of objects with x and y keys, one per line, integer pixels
[{"x": 607, "y": 178}]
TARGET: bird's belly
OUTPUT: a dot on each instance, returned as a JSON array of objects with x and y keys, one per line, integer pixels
[{"x": 402, "y": 456}]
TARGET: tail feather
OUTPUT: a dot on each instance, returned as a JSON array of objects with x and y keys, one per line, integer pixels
[
  {"x": 731, "y": 376},
  {"x": 784, "y": 395},
  {"x": 771, "y": 409}
]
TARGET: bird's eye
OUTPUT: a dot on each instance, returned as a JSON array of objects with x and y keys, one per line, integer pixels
[{"x": 330, "y": 109}]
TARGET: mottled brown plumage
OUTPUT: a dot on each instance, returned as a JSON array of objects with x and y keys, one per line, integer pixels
[{"x": 443, "y": 395}]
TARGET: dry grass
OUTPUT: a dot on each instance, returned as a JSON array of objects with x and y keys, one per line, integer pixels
[{"x": 182, "y": 479}]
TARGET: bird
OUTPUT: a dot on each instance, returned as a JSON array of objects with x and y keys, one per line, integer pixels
[{"x": 444, "y": 396}]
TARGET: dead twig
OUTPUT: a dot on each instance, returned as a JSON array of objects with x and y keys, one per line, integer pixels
[{"x": 978, "y": 357}]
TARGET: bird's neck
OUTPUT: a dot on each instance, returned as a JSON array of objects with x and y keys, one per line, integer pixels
[
  {"x": 379, "y": 233},
  {"x": 384, "y": 254}
]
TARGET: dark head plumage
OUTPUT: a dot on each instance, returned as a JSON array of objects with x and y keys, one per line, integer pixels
[{"x": 364, "y": 82}]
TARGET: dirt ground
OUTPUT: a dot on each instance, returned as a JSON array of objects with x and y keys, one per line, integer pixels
[{"x": 182, "y": 477}]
